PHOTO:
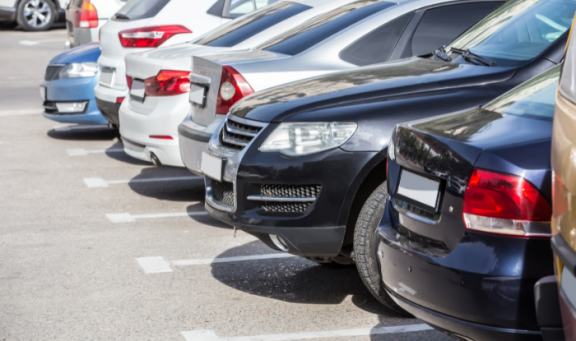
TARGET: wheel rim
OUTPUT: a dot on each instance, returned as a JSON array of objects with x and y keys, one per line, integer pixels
[{"x": 37, "y": 13}]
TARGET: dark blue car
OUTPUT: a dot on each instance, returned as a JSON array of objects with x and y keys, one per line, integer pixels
[{"x": 464, "y": 219}]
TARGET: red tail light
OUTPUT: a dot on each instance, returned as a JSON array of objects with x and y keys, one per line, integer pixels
[
  {"x": 161, "y": 137},
  {"x": 120, "y": 100},
  {"x": 152, "y": 36},
  {"x": 168, "y": 83},
  {"x": 233, "y": 87},
  {"x": 129, "y": 81},
  {"x": 86, "y": 16},
  {"x": 505, "y": 204}
]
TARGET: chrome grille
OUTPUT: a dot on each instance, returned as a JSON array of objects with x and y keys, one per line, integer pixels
[
  {"x": 289, "y": 191},
  {"x": 287, "y": 198},
  {"x": 286, "y": 207},
  {"x": 237, "y": 135},
  {"x": 223, "y": 193},
  {"x": 52, "y": 72}
]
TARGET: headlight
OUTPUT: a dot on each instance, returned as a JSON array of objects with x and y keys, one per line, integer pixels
[
  {"x": 296, "y": 139},
  {"x": 78, "y": 70}
]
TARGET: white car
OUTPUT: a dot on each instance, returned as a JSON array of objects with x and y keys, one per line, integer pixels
[
  {"x": 84, "y": 18},
  {"x": 148, "y": 24},
  {"x": 149, "y": 119}
]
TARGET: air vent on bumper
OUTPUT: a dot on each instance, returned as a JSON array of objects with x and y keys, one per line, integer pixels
[{"x": 287, "y": 198}]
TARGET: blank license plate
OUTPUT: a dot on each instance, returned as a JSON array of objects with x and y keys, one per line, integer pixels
[
  {"x": 212, "y": 166},
  {"x": 419, "y": 188},
  {"x": 197, "y": 94},
  {"x": 137, "y": 92},
  {"x": 107, "y": 76}
]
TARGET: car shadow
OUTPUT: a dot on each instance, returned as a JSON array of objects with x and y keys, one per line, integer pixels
[
  {"x": 188, "y": 190},
  {"x": 205, "y": 218},
  {"x": 296, "y": 280},
  {"x": 116, "y": 152},
  {"x": 83, "y": 133}
]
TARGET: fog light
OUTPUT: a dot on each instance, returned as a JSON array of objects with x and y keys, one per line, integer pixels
[
  {"x": 279, "y": 242},
  {"x": 71, "y": 107}
]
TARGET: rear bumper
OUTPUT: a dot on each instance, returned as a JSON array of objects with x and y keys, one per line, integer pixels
[
  {"x": 193, "y": 139},
  {"x": 109, "y": 110},
  {"x": 106, "y": 99},
  {"x": 7, "y": 13}
]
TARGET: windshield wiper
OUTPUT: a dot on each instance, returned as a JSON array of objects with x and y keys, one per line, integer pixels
[
  {"x": 441, "y": 53},
  {"x": 471, "y": 57}
]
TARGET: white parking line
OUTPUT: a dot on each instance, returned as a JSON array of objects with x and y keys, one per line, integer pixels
[
  {"x": 154, "y": 265},
  {"x": 208, "y": 335},
  {"x": 84, "y": 152},
  {"x": 186, "y": 262},
  {"x": 99, "y": 183},
  {"x": 128, "y": 218},
  {"x": 20, "y": 112}
]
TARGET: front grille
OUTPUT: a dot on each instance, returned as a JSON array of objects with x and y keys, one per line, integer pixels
[
  {"x": 52, "y": 72},
  {"x": 237, "y": 135},
  {"x": 286, "y": 207},
  {"x": 289, "y": 191},
  {"x": 223, "y": 193}
]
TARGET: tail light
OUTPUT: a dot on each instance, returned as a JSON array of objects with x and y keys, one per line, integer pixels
[
  {"x": 167, "y": 83},
  {"x": 162, "y": 137},
  {"x": 152, "y": 36},
  {"x": 129, "y": 81},
  {"x": 120, "y": 100},
  {"x": 233, "y": 87},
  {"x": 506, "y": 205},
  {"x": 86, "y": 16}
]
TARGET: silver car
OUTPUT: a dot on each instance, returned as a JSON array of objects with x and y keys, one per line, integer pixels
[{"x": 357, "y": 34}]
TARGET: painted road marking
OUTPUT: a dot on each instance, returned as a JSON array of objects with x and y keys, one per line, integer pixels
[
  {"x": 154, "y": 265},
  {"x": 82, "y": 127},
  {"x": 208, "y": 335},
  {"x": 129, "y": 218},
  {"x": 186, "y": 262},
  {"x": 99, "y": 183},
  {"x": 84, "y": 152},
  {"x": 20, "y": 112}
]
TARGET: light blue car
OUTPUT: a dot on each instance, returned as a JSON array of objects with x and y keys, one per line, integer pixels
[{"x": 68, "y": 87}]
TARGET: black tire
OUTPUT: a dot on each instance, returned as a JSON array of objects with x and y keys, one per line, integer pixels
[
  {"x": 36, "y": 15},
  {"x": 8, "y": 25},
  {"x": 365, "y": 248}
]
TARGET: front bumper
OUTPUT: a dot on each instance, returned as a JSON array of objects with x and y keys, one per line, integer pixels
[{"x": 483, "y": 289}]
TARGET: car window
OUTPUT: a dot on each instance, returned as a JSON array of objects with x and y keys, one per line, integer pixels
[
  {"x": 240, "y": 7},
  {"x": 323, "y": 26},
  {"x": 376, "y": 46},
  {"x": 518, "y": 31},
  {"x": 140, "y": 9},
  {"x": 534, "y": 98},
  {"x": 439, "y": 26},
  {"x": 251, "y": 24}
]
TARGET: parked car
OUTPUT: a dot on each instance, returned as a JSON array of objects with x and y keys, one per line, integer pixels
[
  {"x": 361, "y": 33},
  {"x": 294, "y": 165},
  {"x": 464, "y": 218},
  {"x": 149, "y": 124},
  {"x": 31, "y": 15},
  {"x": 68, "y": 87},
  {"x": 85, "y": 18},
  {"x": 556, "y": 295},
  {"x": 149, "y": 24}
]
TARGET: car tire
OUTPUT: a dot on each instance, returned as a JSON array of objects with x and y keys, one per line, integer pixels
[
  {"x": 365, "y": 248},
  {"x": 8, "y": 25},
  {"x": 36, "y": 15}
]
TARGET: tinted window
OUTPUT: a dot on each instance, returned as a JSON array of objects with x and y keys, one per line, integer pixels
[
  {"x": 534, "y": 98},
  {"x": 439, "y": 26},
  {"x": 252, "y": 24},
  {"x": 376, "y": 46},
  {"x": 323, "y": 26},
  {"x": 140, "y": 9},
  {"x": 241, "y": 7},
  {"x": 518, "y": 31}
]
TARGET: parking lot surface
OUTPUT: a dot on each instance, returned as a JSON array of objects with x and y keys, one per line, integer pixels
[{"x": 95, "y": 245}]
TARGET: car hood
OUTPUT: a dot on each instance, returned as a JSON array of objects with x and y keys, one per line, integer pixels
[
  {"x": 403, "y": 79},
  {"x": 82, "y": 54}
]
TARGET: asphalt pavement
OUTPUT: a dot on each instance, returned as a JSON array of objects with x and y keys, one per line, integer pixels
[{"x": 95, "y": 245}]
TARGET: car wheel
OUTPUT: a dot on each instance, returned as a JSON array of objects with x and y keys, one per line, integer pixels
[
  {"x": 7, "y": 25},
  {"x": 365, "y": 248},
  {"x": 36, "y": 15}
]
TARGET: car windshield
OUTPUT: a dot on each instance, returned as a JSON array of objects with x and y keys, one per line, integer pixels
[
  {"x": 251, "y": 24},
  {"x": 324, "y": 26},
  {"x": 535, "y": 98},
  {"x": 518, "y": 31}
]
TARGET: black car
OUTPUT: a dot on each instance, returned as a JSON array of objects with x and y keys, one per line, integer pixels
[
  {"x": 464, "y": 218},
  {"x": 294, "y": 165}
]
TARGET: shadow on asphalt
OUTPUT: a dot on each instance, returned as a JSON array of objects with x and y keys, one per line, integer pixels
[
  {"x": 205, "y": 219},
  {"x": 122, "y": 156},
  {"x": 179, "y": 190},
  {"x": 88, "y": 134},
  {"x": 295, "y": 280},
  {"x": 55, "y": 27}
]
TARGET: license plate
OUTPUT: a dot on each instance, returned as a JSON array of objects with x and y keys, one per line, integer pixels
[
  {"x": 197, "y": 94},
  {"x": 420, "y": 189},
  {"x": 43, "y": 93},
  {"x": 107, "y": 76},
  {"x": 212, "y": 166},
  {"x": 137, "y": 92}
]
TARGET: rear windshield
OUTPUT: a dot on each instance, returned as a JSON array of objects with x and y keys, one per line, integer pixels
[
  {"x": 251, "y": 24},
  {"x": 323, "y": 26},
  {"x": 140, "y": 9},
  {"x": 535, "y": 98}
]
